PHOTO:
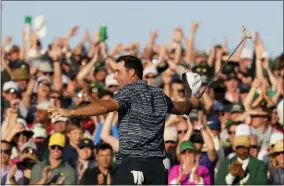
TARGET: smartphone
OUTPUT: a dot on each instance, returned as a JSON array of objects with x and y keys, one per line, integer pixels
[{"x": 103, "y": 33}]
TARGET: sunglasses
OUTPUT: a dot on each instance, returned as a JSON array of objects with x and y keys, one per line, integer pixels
[
  {"x": 47, "y": 73},
  {"x": 258, "y": 115},
  {"x": 112, "y": 86},
  {"x": 150, "y": 77},
  {"x": 278, "y": 153},
  {"x": 254, "y": 146},
  {"x": 29, "y": 151},
  {"x": 230, "y": 132},
  {"x": 6, "y": 151},
  {"x": 85, "y": 146},
  {"x": 53, "y": 147},
  {"x": 170, "y": 142},
  {"x": 182, "y": 131},
  {"x": 44, "y": 84},
  {"x": 13, "y": 91},
  {"x": 55, "y": 97}
]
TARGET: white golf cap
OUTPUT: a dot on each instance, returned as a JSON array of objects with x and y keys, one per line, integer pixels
[
  {"x": 64, "y": 119},
  {"x": 170, "y": 134},
  {"x": 43, "y": 105},
  {"x": 275, "y": 136},
  {"x": 28, "y": 145},
  {"x": 194, "y": 82},
  {"x": 110, "y": 81},
  {"x": 10, "y": 85},
  {"x": 150, "y": 70},
  {"x": 265, "y": 55},
  {"x": 280, "y": 111},
  {"x": 45, "y": 67},
  {"x": 243, "y": 130},
  {"x": 23, "y": 122},
  {"x": 246, "y": 53},
  {"x": 39, "y": 131},
  {"x": 43, "y": 78}
]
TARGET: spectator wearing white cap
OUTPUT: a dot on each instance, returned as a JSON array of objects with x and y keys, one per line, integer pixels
[
  {"x": 245, "y": 65},
  {"x": 43, "y": 88},
  {"x": 260, "y": 120},
  {"x": 44, "y": 69},
  {"x": 39, "y": 138},
  {"x": 170, "y": 139},
  {"x": 10, "y": 91},
  {"x": 41, "y": 115},
  {"x": 150, "y": 73},
  {"x": 110, "y": 83},
  {"x": 59, "y": 125}
]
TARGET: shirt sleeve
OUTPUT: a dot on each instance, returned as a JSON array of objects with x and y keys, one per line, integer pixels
[
  {"x": 230, "y": 179},
  {"x": 36, "y": 174},
  {"x": 170, "y": 104},
  {"x": 70, "y": 178},
  {"x": 123, "y": 97}
]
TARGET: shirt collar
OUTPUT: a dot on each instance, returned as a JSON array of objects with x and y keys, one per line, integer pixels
[{"x": 244, "y": 162}]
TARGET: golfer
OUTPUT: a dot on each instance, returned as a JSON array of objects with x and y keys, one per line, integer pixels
[{"x": 142, "y": 111}]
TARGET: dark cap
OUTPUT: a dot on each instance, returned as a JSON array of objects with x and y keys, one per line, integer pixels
[
  {"x": 244, "y": 88},
  {"x": 14, "y": 48},
  {"x": 86, "y": 143},
  {"x": 236, "y": 107},
  {"x": 213, "y": 122},
  {"x": 197, "y": 138},
  {"x": 229, "y": 68},
  {"x": 232, "y": 76}
]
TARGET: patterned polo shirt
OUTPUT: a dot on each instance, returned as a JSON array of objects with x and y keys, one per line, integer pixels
[{"x": 141, "y": 119}]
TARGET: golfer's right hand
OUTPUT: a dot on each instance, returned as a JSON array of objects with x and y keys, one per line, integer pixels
[{"x": 57, "y": 112}]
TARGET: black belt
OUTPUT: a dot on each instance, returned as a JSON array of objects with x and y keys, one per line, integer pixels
[{"x": 140, "y": 158}]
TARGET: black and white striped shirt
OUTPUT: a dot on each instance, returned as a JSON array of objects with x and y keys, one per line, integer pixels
[{"x": 141, "y": 119}]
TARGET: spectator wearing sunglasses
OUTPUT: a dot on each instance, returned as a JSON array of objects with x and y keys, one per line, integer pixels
[
  {"x": 170, "y": 139},
  {"x": 86, "y": 158},
  {"x": 28, "y": 150},
  {"x": 277, "y": 171},
  {"x": 54, "y": 169},
  {"x": 260, "y": 121},
  {"x": 10, "y": 91},
  {"x": 110, "y": 83},
  {"x": 150, "y": 73},
  {"x": 7, "y": 175},
  {"x": 44, "y": 69}
]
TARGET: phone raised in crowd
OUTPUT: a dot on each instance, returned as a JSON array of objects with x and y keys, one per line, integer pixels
[{"x": 103, "y": 33}]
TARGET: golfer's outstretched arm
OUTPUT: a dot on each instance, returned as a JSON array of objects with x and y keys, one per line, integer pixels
[
  {"x": 93, "y": 109},
  {"x": 97, "y": 108},
  {"x": 185, "y": 107}
]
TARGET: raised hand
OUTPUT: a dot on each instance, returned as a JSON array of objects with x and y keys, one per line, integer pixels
[
  {"x": 73, "y": 31},
  {"x": 154, "y": 35},
  {"x": 7, "y": 40},
  {"x": 55, "y": 53},
  {"x": 86, "y": 36},
  {"x": 46, "y": 173},
  {"x": 194, "y": 26}
]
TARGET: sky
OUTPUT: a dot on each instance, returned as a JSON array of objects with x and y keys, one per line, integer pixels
[{"x": 132, "y": 21}]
